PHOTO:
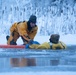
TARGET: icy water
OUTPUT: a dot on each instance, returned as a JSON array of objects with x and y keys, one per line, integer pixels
[{"x": 38, "y": 60}]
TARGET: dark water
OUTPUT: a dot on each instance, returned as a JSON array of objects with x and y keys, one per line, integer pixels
[{"x": 38, "y": 60}]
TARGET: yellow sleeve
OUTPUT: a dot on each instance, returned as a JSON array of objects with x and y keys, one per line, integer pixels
[
  {"x": 22, "y": 30},
  {"x": 45, "y": 45},
  {"x": 33, "y": 32},
  {"x": 34, "y": 46}
]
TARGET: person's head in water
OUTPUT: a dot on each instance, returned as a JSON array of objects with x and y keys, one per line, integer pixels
[{"x": 54, "y": 38}]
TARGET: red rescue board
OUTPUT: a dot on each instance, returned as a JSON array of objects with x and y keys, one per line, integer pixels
[{"x": 12, "y": 46}]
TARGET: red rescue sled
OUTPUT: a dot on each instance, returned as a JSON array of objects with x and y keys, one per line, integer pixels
[{"x": 12, "y": 46}]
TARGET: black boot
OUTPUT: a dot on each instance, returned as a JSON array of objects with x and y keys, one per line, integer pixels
[
  {"x": 7, "y": 37},
  {"x": 11, "y": 42}
]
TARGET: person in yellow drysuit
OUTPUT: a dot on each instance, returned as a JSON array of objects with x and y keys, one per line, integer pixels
[
  {"x": 26, "y": 30},
  {"x": 53, "y": 44}
]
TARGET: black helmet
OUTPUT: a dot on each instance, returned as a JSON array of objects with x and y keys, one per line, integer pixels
[{"x": 32, "y": 19}]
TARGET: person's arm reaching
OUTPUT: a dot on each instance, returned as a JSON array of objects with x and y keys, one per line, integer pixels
[{"x": 22, "y": 29}]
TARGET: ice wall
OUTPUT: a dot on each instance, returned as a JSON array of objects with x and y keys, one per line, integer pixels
[{"x": 53, "y": 16}]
